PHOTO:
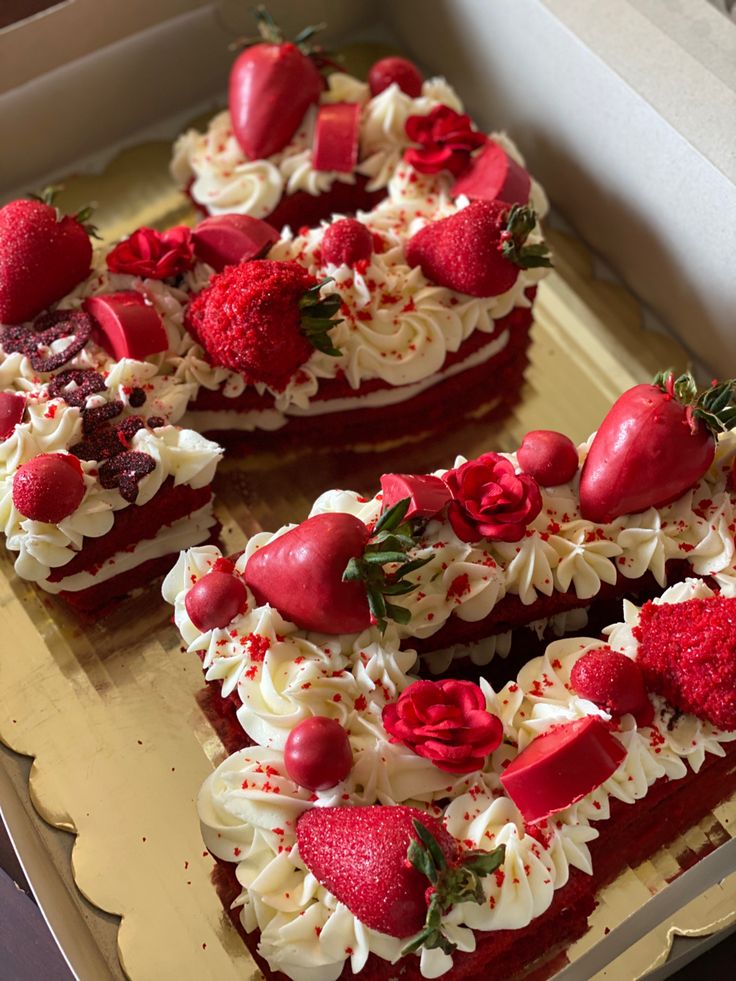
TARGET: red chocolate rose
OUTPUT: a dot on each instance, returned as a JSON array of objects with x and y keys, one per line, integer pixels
[
  {"x": 490, "y": 500},
  {"x": 152, "y": 254},
  {"x": 446, "y": 141},
  {"x": 446, "y": 722}
]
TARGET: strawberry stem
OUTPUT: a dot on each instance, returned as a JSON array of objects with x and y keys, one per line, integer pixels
[
  {"x": 270, "y": 33},
  {"x": 520, "y": 222},
  {"x": 715, "y": 407},
  {"x": 457, "y": 882},
  {"x": 388, "y": 545}
]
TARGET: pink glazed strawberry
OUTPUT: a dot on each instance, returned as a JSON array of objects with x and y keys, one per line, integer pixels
[
  {"x": 479, "y": 250},
  {"x": 327, "y": 573},
  {"x": 43, "y": 255},
  {"x": 272, "y": 84},
  {"x": 656, "y": 442},
  {"x": 396, "y": 868}
]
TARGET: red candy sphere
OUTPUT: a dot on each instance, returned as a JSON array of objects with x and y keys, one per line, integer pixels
[
  {"x": 613, "y": 682},
  {"x": 550, "y": 457},
  {"x": 215, "y": 600},
  {"x": 49, "y": 487},
  {"x": 400, "y": 70},
  {"x": 317, "y": 754},
  {"x": 347, "y": 241}
]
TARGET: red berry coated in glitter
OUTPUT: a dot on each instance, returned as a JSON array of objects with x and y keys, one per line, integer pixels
[
  {"x": 399, "y": 70},
  {"x": 12, "y": 407},
  {"x": 347, "y": 241},
  {"x": 226, "y": 240},
  {"x": 561, "y": 766},
  {"x": 613, "y": 682},
  {"x": 380, "y": 861},
  {"x": 479, "y": 250},
  {"x": 687, "y": 653},
  {"x": 656, "y": 442},
  {"x": 550, "y": 457},
  {"x": 427, "y": 494},
  {"x": 49, "y": 487},
  {"x": 317, "y": 754},
  {"x": 43, "y": 255},
  {"x": 263, "y": 319},
  {"x": 215, "y": 600}
]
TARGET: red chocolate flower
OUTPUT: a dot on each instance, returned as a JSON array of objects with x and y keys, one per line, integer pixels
[
  {"x": 152, "y": 254},
  {"x": 446, "y": 141},
  {"x": 445, "y": 722},
  {"x": 490, "y": 500}
]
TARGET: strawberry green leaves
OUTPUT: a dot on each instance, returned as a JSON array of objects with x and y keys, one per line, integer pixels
[
  {"x": 519, "y": 225},
  {"x": 388, "y": 545},
  {"x": 716, "y": 406},
  {"x": 452, "y": 883},
  {"x": 317, "y": 317}
]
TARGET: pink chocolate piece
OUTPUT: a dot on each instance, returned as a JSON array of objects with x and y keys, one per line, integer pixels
[
  {"x": 494, "y": 176},
  {"x": 335, "y": 144},
  {"x": 226, "y": 240},
  {"x": 125, "y": 325},
  {"x": 428, "y": 494},
  {"x": 12, "y": 407},
  {"x": 562, "y": 766}
]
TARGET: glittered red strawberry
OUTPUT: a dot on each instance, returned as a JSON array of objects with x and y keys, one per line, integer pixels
[
  {"x": 327, "y": 573},
  {"x": 263, "y": 319},
  {"x": 43, "y": 255},
  {"x": 272, "y": 84},
  {"x": 656, "y": 442},
  {"x": 479, "y": 250},
  {"x": 395, "y": 868}
]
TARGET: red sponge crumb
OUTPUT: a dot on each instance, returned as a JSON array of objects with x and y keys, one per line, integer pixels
[
  {"x": 614, "y": 682},
  {"x": 347, "y": 241},
  {"x": 687, "y": 652},
  {"x": 248, "y": 320}
]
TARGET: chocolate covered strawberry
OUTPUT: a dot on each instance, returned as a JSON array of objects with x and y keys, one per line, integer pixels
[
  {"x": 479, "y": 250},
  {"x": 43, "y": 255},
  {"x": 272, "y": 84},
  {"x": 395, "y": 868},
  {"x": 656, "y": 442},
  {"x": 327, "y": 573},
  {"x": 263, "y": 319}
]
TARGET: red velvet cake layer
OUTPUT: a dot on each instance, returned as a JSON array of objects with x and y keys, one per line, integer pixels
[
  {"x": 495, "y": 384},
  {"x": 134, "y": 524}
]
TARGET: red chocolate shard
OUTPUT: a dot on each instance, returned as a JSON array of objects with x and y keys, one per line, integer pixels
[
  {"x": 428, "y": 494},
  {"x": 335, "y": 146},
  {"x": 561, "y": 766},
  {"x": 226, "y": 240},
  {"x": 12, "y": 407},
  {"x": 494, "y": 176},
  {"x": 125, "y": 325}
]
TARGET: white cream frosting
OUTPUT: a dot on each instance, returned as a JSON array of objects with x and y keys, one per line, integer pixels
[{"x": 249, "y": 807}]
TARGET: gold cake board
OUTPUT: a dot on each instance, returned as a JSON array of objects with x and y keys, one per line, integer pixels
[{"x": 108, "y": 709}]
